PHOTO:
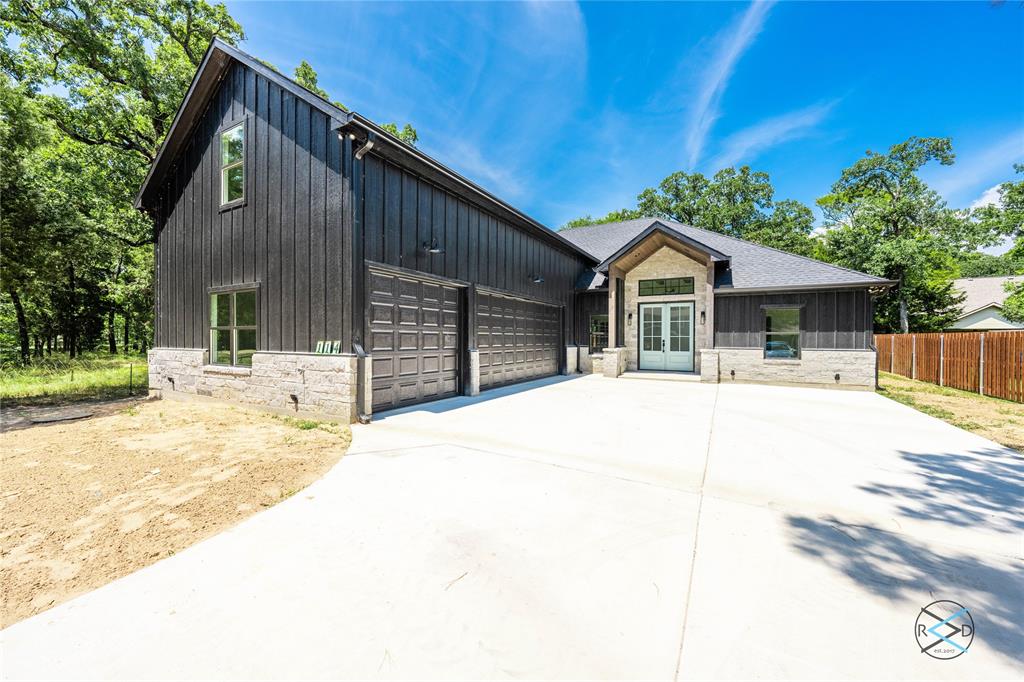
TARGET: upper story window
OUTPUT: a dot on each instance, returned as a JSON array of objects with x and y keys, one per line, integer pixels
[
  {"x": 662, "y": 287},
  {"x": 233, "y": 327},
  {"x": 782, "y": 332},
  {"x": 232, "y": 164}
]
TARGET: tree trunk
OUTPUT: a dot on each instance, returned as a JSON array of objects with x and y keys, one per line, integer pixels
[
  {"x": 19, "y": 311},
  {"x": 904, "y": 322},
  {"x": 49, "y": 345},
  {"x": 126, "y": 336},
  {"x": 72, "y": 333},
  {"x": 111, "y": 333}
]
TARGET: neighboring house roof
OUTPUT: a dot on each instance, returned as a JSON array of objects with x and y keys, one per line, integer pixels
[
  {"x": 982, "y": 292},
  {"x": 751, "y": 266},
  {"x": 219, "y": 57}
]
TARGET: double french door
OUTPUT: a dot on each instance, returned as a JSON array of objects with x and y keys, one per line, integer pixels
[{"x": 666, "y": 336}]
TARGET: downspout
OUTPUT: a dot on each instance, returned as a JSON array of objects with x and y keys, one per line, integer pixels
[{"x": 362, "y": 367}]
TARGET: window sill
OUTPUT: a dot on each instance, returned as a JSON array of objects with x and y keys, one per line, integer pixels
[
  {"x": 782, "y": 361},
  {"x": 227, "y": 370}
]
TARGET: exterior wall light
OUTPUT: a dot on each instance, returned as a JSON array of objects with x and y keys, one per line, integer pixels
[
  {"x": 629, "y": 319},
  {"x": 433, "y": 248},
  {"x": 702, "y": 317},
  {"x": 537, "y": 279}
]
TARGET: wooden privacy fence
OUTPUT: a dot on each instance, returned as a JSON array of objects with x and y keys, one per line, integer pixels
[{"x": 990, "y": 363}]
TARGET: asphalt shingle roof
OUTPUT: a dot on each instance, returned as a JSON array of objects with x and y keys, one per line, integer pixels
[
  {"x": 752, "y": 266},
  {"x": 981, "y": 292}
]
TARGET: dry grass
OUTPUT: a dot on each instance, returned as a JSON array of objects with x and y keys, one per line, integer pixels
[
  {"x": 85, "y": 502},
  {"x": 993, "y": 418}
]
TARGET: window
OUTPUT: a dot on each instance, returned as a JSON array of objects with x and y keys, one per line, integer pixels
[
  {"x": 662, "y": 287},
  {"x": 782, "y": 332},
  {"x": 598, "y": 333},
  {"x": 232, "y": 164},
  {"x": 233, "y": 328}
]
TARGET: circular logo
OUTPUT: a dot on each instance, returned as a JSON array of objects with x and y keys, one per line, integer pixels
[{"x": 944, "y": 629}]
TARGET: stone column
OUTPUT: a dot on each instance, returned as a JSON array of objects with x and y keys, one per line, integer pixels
[
  {"x": 571, "y": 360},
  {"x": 473, "y": 376},
  {"x": 709, "y": 366}
]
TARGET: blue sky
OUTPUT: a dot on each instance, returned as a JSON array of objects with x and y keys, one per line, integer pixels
[{"x": 565, "y": 109}]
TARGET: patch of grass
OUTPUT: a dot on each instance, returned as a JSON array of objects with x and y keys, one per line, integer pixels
[
  {"x": 59, "y": 380},
  {"x": 984, "y": 415},
  {"x": 310, "y": 424}
]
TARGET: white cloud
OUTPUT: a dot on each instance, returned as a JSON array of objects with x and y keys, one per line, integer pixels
[
  {"x": 989, "y": 197},
  {"x": 731, "y": 44},
  {"x": 977, "y": 168},
  {"x": 470, "y": 162},
  {"x": 745, "y": 145}
]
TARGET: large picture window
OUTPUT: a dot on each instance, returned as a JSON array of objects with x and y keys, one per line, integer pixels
[
  {"x": 782, "y": 332},
  {"x": 598, "y": 333},
  {"x": 232, "y": 165},
  {"x": 233, "y": 327},
  {"x": 664, "y": 287}
]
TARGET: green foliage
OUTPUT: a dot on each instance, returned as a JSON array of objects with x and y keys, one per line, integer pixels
[
  {"x": 1013, "y": 306},
  {"x": 407, "y": 134},
  {"x": 55, "y": 380},
  {"x": 884, "y": 220},
  {"x": 736, "y": 202}
]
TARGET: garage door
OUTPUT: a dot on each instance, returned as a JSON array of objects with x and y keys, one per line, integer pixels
[
  {"x": 414, "y": 339},
  {"x": 517, "y": 339}
]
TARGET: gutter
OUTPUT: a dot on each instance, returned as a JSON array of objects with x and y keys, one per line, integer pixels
[{"x": 727, "y": 291}]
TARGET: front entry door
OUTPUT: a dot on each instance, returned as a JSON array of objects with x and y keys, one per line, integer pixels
[{"x": 666, "y": 336}]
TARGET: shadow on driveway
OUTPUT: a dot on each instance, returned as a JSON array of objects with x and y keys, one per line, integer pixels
[{"x": 983, "y": 488}]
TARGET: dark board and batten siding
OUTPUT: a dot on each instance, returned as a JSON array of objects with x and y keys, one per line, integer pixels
[
  {"x": 832, "y": 319},
  {"x": 286, "y": 236},
  {"x": 399, "y": 211}
]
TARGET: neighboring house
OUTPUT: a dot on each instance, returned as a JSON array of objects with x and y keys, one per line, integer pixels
[
  {"x": 307, "y": 260},
  {"x": 983, "y": 304}
]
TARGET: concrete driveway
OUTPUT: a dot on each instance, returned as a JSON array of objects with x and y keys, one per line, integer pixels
[{"x": 589, "y": 528}]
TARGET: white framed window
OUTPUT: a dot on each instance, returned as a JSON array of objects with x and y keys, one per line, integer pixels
[{"x": 232, "y": 165}]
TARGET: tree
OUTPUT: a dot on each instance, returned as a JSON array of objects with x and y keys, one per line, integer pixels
[
  {"x": 736, "y": 202},
  {"x": 884, "y": 220}
]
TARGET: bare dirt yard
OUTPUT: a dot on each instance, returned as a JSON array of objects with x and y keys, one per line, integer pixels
[{"x": 87, "y": 501}]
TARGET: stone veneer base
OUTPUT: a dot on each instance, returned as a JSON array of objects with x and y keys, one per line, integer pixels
[
  {"x": 302, "y": 383},
  {"x": 856, "y": 368}
]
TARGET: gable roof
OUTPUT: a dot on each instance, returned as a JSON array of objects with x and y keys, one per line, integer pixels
[
  {"x": 751, "y": 266},
  {"x": 658, "y": 227},
  {"x": 982, "y": 292},
  {"x": 219, "y": 57}
]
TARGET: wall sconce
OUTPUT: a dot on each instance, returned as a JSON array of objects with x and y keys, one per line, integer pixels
[
  {"x": 702, "y": 317},
  {"x": 537, "y": 279},
  {"x": 629, "y": 320},
  {"x": 432, "y": 248}
]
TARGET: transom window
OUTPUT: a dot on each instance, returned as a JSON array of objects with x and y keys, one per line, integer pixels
[
  {"x": 782, "y": 332},
  {"x": 233, "y": 327},
  {"x": 232, "y": 164},
  {"x": 598, "y": 333},
  {"x": 663, "y": 287}
]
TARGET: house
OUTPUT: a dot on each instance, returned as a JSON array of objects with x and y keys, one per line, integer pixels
[
  {"x": 307, "y": 260},
  {"x": 983, "y": 304}
]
